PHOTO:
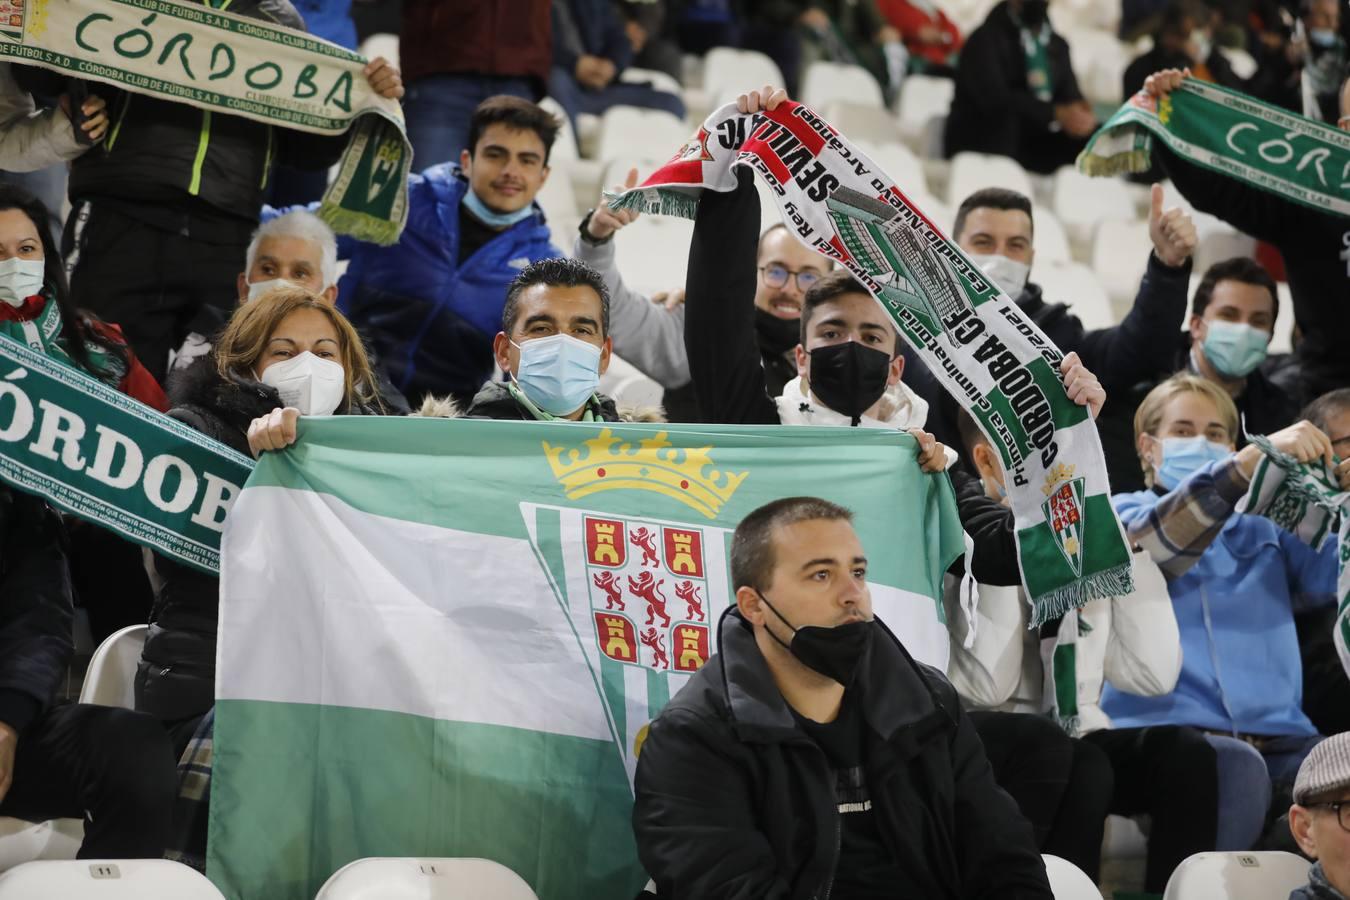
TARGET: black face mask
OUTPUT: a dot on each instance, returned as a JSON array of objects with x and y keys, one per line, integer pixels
[
  {"x": 849, "y": 378},
  {"x": 833, "y": 652},
  {"x": 1034, "y": 12},
  {"x": 776, "y": 336}
]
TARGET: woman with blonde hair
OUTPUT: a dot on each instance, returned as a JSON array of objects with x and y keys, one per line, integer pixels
[
  {"x": 285, "y": 354},
  {"x": 1235, "y": 581}
]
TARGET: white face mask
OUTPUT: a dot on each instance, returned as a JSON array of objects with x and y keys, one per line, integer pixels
[
  {"x": 257, "y": 288},
  {"x": 20, "y": 279},
  {"x": 312, "y": 385},
  {"x": 1009, "y": 274}
]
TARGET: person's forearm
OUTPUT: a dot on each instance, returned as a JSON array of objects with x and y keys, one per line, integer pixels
[{"x": 1182, "y": 525}]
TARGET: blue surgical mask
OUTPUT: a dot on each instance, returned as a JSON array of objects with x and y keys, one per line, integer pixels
[
  {"x": 558, "y": 373},
  {"x": 495, "y": 219},
  {"x": 1324, "y": 38},
  {"x": 1183, "y": 457},
  {"x": 1234, "y": 349}
]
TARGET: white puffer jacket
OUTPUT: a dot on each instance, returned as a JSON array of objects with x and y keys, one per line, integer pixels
[{"x": 1131, "y": 641}]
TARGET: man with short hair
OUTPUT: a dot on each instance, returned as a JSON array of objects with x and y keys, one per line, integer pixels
[
  {"x": 652, "y": 337},
  {"x": 1315, "y": 245},
  {"x": 996, "y": 228},
  {"x": 812, "y": 756},
  {"x": 431, "y": 303},
  {"x": 1232, "y": 317},
  {"x": 1320, "y": 819},
  {"x": 554, "y": 346}
]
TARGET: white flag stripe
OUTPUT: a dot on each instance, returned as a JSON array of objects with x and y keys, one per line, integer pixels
[{"x": 362, "y": 624}]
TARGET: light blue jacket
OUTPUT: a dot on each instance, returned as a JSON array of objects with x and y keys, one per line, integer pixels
[{"x": 1241, "y": 671}]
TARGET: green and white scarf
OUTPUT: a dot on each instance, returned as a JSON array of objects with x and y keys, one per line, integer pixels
[
  {"x": 1306, "y": 500},
  {"x": 1230, "y": 133},
  {"x": 100, "y": 455},
  {"x": 990, "y": 356},
  {"x": 221, "y": 62}
]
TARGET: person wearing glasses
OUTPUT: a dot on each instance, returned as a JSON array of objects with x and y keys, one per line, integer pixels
[
  {"x": 650, "y": 335},
  {"x": 1320, "y": 819}
]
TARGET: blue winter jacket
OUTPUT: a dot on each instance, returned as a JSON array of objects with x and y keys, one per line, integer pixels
[
  {"x": 430, "y": 319},
  {"x": 330, "y": 20},
  {"x": 1240, "y": 669}
]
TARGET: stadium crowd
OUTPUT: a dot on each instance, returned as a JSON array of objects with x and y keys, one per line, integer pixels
[{"x": 187, "y": 268}]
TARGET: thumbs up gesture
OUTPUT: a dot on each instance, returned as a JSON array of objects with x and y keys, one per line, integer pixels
[{"x": 1173, "y": 232}]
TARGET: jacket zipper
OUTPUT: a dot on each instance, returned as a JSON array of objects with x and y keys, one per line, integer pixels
[
  {"x": 838, "y": 846},
  {"x": 117, "y": 127}
]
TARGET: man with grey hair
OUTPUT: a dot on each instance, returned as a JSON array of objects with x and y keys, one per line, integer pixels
[{"x": 1320, "y": 819}]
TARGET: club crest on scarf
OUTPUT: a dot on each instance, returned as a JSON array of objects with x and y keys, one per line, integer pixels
[{"x": 1064, "y": 512}]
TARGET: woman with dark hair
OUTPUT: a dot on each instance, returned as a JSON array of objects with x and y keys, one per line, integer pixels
[{"x": 35, "y": 306}]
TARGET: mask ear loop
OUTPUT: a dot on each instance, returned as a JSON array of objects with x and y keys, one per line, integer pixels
[{"x": 780, "y": 617}]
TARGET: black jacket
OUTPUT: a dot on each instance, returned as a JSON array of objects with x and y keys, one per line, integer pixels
[
  {"x": 494, "y": 401},
  {"x": 1158, "y": 59},
  {"x": 733, "y": 800},
  {"x": 175, "y": 680},
  {"x": 1315, "y": 245},
  {"x": 993, "y": 110},
  {"x": 36, "y": 607},
  {"x": 149, "y": 158}
]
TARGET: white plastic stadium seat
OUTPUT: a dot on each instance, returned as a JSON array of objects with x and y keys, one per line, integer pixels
[
  {"x": 653, "y": 253},
  {"x": 1076, "y": 285},
  {"x": 565, "y": 144},
  {"x": 1119, "y": 257},
  {"x": 1052, "y": 244},
  {"x": 922, "y": 99},
  {"x": 861, "y": 122},
  {"x": 897, "y": 161},
  {"x": 627, "y": 131},
  {"x": 556, "y": 196},
  {"x": 1082, "y": 202},
  {"x": 728, "y": 72},
  {"x": 109, "y": 681},
  {"x": 628, "y": 386},
  {"x": 826, "y": 82},
  {"x": 973, "y": 171},
  {"x": 1067, "y": 881},
  {"x": 1237, "y": 876},
  {"x": 22, "y": 841},
  {"x": 425, "y": 879},
  {"x": 122, "y": 879}
]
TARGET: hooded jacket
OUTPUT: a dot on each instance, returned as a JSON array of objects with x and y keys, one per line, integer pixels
[
  {"x": 494, "y": 401},
  {"x": 162, "y": 159},
  {"x": 429, "y": 317},
  {"x": 175, "y": 679},
  {"x": 734, "y": 800}
]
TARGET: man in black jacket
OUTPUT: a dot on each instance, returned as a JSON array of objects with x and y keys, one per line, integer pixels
[
  {"x": 112, "y": 768},
  {"x": 1016, "y": 94},
  {"x": 1232, "y": 316},
  {"x": 164, "y": 206},
  {"x": 812, "y": 756},
  {"x": 1315, "y": 245},
  {"x": 554, "y": 346}
]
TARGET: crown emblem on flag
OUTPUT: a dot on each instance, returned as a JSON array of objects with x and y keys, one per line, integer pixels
[{"x": 607, "y": 464}]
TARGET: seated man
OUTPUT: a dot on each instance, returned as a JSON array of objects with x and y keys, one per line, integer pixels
[
  {"x": 652, "y": 337},
  {"x": 111, "y": 768},
  {"x": 1320, "y": 819},
  {"x": 1016, "y": 94},
  {"x": 554, "y": 346},
  {"x": 430, "y": 304},
  {"x": 812, "y": 755},
  {"x": 1232, "y": 320},
  {"x": 590, "y": 49}
]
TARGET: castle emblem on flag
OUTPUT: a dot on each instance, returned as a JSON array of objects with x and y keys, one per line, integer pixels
[
  {"x": 1064, "y": 511},
  {"x": 648, "y": 605},
  {"x": 608, "y": 463}
]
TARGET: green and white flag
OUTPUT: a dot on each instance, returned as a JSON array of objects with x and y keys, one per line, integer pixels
[
  {"x": 447, "y": 637},
  {"x": 983, "y": 350},
  {"x": 1224, "y": 131},
  {"x": 1306, "y": 500},
  {"x": 218, "y": 61}
]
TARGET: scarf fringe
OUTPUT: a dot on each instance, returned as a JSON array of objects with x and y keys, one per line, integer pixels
[
  {"x": 1128, "y": 163},
  {"x": 661, "y": 202},
  {"x": 1110, "y": 582},
  {"x": 360, "y": 225}
]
